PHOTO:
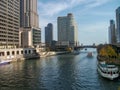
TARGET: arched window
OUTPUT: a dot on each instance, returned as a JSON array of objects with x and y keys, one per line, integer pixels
[
  {"x": 8, "y": 53},
  {"x": 22, "y": 52},
  {"x": 29, "y": 51},
  {"x": 13, "y": 53},
  {"x": 25, "y": 51},
  {"x": 17, "y": 52}
]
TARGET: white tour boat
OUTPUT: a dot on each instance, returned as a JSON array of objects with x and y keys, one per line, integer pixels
[{"x": 109, "y": 71}]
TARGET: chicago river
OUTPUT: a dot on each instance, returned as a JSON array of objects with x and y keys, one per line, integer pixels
[{"x": 62, "y": 72}]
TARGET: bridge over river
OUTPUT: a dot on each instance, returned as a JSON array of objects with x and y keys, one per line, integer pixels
[{"x": 85, "y": 46}]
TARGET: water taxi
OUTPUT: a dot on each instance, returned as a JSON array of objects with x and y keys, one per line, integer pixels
[
  {"x": 108, "y": 71},
  {"x": 89, "y": 54}
]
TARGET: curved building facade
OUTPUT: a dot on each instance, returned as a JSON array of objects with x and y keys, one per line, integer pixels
[{"x": 67, "y": 29}]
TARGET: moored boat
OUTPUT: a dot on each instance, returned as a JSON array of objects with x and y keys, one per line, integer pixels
[
  {"x": 5, "y": 61},
  {"x": 108, "y": 71}
]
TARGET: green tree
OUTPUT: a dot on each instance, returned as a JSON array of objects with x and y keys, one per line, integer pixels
[{"x": 108, "y": 51}]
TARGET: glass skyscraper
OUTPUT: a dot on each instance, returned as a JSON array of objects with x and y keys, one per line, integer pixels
[
  {"x": 112, "y": 32},
  {"x": 118, "y": 24},
  {"x": 49, "y": 34}
]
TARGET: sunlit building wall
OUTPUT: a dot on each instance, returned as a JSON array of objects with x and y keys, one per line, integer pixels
[
  {"x": 29, "y": 22},
  {"x": 9, "y": 23},
  {"x": 67, "y": 29}
]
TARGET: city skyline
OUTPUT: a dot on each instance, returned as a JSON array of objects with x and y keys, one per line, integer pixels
[{"x": 92, "y": 17}]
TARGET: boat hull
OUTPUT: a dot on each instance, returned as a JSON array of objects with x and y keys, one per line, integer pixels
[
  {"x": 5, "y": 62},
  {"x": 110, "y": 77},
  {"x": 107, "y": 71}
]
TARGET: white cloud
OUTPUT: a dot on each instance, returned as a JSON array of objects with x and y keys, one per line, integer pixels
[
  {"x": 49, "y": 10},
  {"x": 95, "y": 3}
]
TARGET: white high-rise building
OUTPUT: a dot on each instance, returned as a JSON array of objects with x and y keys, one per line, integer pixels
[
  {"x": 118, "y": 24},
  {"x": 67, "y": 29}
]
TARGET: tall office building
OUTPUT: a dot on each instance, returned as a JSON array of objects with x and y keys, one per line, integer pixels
[
  {"x": 112, "y": 32},
  {"x": 29, "y": 23},
  {"x": 118, "y": 24},
  {"x": 67, "y": 29},
  {"x": 49, "y": 34},
  {"x": 9, "y": 23}
]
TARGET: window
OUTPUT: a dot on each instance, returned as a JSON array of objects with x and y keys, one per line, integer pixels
[{"x": 8, "y": 53}]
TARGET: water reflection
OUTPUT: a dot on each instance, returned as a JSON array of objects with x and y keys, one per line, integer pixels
[{"x": 63, "y": 72}]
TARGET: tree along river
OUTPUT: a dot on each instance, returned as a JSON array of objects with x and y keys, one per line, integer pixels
[{"x": 62, "y": 72}]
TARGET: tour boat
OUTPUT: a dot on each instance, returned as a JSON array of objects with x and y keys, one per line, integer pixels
[
  {"x": 89, "y": 54},
  {"x": 108, "y": 71}
]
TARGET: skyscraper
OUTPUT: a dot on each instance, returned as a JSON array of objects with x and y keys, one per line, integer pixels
[
  {"x": 118, "y": 24},
  {"x": 9, "y": 23},
  {"x": 67, "y": 29},
  {"x": 49, "y": 34},
  {"x": 29, "y": 23},
  {"x": 112, "y": 32}
]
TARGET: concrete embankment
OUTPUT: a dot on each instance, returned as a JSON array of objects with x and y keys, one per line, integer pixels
[
  {"x": 51, "y": 53},
  {"x": 18, "y": 54}
]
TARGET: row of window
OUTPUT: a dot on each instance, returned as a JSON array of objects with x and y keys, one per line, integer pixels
[
  {"x": 11, "y": 22},
  {"x": 17, "y": 52},
  {"x": 10, "y": 14},
  {"x": 9, "y": 40}
]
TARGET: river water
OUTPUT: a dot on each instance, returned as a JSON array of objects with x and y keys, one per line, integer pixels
[{"x": 62, "y": 72}]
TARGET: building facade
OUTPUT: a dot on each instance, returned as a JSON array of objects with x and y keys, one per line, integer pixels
[
  {"x": 67, "y": 29},
  {"x": 118, "y": 24},
  {"x": 49, "y": 34},
  {"x": 112, "y": 32},
  {"x": 9, "y": 23},
  {"x": 29, "y": 24}
]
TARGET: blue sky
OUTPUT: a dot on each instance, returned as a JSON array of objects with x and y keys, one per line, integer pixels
[{"x": 92, "y": 17}]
